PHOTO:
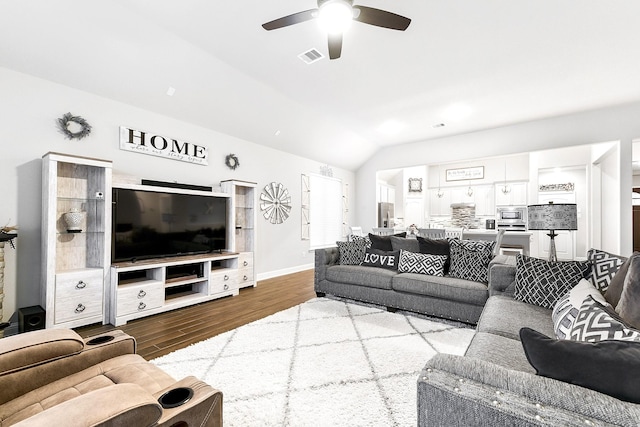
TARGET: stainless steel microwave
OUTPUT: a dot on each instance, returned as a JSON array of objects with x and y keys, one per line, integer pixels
[{"x": 512, "y": 218}]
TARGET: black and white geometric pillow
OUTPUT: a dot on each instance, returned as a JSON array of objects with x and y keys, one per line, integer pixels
[
  {"x": 596, "y": 322},
  {"x": 351, "y": 253},
  {"x": 470, "y": 259},
  {"x": 566, "y": 309},
  {"x": 431, "y": 265},
  {"x": 361, "y": 239},
  {"x": 543, "y": 283},
  {"x": 603, "y": 267}
]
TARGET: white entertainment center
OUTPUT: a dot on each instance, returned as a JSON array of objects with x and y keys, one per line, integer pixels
[{"x": 81, "y": 285}]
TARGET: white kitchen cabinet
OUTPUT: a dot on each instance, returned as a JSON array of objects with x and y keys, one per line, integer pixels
[
  {"x": 439, "y": 206},
  {"x": 484, "y": 198},
  {"x": 516, "y": 197}
]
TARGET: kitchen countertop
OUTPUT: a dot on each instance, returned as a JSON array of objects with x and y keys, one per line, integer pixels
[{"x": 484, "y": 231}]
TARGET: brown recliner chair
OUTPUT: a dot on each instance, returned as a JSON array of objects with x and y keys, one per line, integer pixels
[{"x": 56, "y": 378}]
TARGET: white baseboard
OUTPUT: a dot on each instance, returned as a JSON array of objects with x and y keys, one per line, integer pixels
[{"x": 284, "y": 271}]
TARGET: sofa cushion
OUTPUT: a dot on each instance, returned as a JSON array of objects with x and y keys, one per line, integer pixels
[
  {"x": 36, "y": 347},
  {"x": 448, "y": 288},
  {"x": 543, "y": 282},
  {"x": 130, "y": 368},
  {"x": 364, "y": 276},
  {"x": 470, "y": 259},
  {"x": 603, "y": 268},
  {"x": 566, "y": 309},
  {"x": 381, "y": 259},
  {"x": 611, "y": 367},
  {"x": 629, "y": 306},
  {"x": 405, "y": 243},
  {"x": 500, "y": 350},
  {"x": 431, "y": 265},
  {"x": 505, "y": 316},
  {"x": 383, "y": 242},
  {"x": 595, "y": 322}
]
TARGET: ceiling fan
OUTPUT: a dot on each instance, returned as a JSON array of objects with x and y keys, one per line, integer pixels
[{"x": 336, "y": 15}]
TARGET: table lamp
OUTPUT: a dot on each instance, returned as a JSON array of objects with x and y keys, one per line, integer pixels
[{"x": 552, "y": 217}]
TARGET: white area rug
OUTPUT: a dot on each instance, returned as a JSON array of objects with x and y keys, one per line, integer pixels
[{"x": 322, "y": 363}]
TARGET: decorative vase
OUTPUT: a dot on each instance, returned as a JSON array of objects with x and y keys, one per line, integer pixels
[{"x": 73, "y": 219}]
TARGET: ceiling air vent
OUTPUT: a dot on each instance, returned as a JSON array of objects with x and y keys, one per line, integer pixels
[{"x": 311, "y": 56}]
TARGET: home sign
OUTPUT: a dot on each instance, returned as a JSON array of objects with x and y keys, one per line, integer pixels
[{"x": 161, "y": 146}]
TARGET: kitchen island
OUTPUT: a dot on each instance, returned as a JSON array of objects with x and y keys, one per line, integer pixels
[{"x": 510, "y": 240}]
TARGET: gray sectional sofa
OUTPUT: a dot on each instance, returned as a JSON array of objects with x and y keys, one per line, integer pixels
[
  {"x": 494, "y": 384},
  {"x": 446, "y": 297}
]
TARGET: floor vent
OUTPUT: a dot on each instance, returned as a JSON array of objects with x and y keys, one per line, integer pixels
[{"x": 311, "y": 56}]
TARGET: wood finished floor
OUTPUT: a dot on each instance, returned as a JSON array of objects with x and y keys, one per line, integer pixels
[{"x": 166, "y": 332}]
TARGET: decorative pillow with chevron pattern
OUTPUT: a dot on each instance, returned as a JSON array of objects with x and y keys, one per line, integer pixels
[
  {"x": 431, "y": 265},
  {"x": 351, "y": 253},
  {"x": 543, "y": 282},
  {"x": 566, "y": 309},
  {"x": 603, "y": 267},
  {"x": 470, "y": 259},
  {"x": 596, "y": 322}
]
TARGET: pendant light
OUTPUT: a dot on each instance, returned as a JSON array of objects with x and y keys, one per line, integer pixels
[{"x": 505, "y": 188}]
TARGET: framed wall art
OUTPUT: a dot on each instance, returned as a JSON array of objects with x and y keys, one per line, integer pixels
[
  {"x": 464, "y": 174},
  {"x": 415, "y": 185}
]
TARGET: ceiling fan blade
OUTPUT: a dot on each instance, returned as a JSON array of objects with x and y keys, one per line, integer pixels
[
  {"x": 335, "y": 45},
  {"x": 381, "y": 18},
  {"x": 296, "y": 18}
]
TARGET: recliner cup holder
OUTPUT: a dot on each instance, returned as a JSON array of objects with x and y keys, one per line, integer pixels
[
  {"x": 100, "y": 340},
  {"x": 176, "y": 397}
]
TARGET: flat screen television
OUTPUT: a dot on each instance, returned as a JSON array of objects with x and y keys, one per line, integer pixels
[{"x": 152, "y": 224}]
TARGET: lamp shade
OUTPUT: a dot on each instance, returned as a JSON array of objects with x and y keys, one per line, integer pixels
[{"x": 553, "y": 216}]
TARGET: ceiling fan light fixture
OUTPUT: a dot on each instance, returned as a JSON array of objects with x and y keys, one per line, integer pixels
[{"x": 335, "y": 16}]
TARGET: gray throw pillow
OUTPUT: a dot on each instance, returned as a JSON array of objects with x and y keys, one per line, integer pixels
[
  {"x": 543, "y": 283},
  {"x": 614, "y": 291},
  {"x": 383, "y": 243},
  {"x": 405, "y": 244},
  {"x": 629, "y": 306}
]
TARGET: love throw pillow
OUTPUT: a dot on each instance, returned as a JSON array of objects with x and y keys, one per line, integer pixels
[{"x": 381, "y": 259}]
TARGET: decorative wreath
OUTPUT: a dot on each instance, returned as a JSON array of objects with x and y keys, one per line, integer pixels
[
  {"x": 232, "y": 161},
  {"x": 68, "y": 120}
]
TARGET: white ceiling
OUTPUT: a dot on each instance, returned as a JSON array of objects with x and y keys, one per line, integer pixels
[{"x": 497, "y": 61}]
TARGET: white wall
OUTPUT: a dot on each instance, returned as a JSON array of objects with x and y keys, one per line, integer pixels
[
  {"x": 29, "y": 108},
  {"x": 611, "y": 124}
]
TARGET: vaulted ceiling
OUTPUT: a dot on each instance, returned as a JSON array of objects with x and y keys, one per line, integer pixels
[{"x": 467, "y": 64}]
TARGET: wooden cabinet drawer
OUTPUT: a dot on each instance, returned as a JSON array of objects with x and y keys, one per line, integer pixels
[
  {"x": 224, "y": 281},
  {"x": 137, "y": 298},
  {"x": 245, "y": 260},
  {"x": 78, "y": 295},
  {"x": 245, "y": 276}
]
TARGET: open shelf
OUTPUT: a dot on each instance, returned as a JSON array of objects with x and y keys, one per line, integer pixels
[
  {"x": 153, "y": 286},
  {"x": 176, "y": 283}
]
